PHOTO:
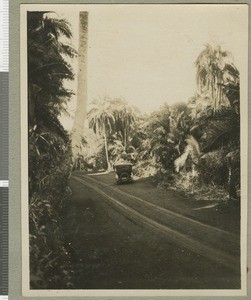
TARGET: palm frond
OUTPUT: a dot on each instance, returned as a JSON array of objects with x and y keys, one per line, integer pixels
[
  {"x": 192, "y": 150},
  {"x": 57, "y": 27},
  {"x": 215, "y": 131}
]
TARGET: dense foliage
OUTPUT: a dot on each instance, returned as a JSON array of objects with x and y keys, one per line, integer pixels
[
  {"x": 114, "y": 121},
  {"x": 190, "y": 146},
  {"x": 49, "y": 148}
]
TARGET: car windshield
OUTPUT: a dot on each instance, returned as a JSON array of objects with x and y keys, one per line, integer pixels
[{"x": 124, "y": 168}]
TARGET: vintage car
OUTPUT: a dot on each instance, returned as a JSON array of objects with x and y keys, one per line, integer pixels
[{"x": 123, "y": 172}]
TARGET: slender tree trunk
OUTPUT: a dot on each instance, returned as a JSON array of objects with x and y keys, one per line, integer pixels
[
  {"x": 81, "y": 108},
  {"x": 125, "y": 138},
  {"x": 106, "y": 152}
]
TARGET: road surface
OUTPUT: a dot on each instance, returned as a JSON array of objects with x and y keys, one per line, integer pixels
[{"x": 135, "y": 236}]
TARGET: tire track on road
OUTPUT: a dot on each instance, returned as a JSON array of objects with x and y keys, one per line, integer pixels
[
  {"x": 173, "y": 235},
  {"x": 209, "y": 234}
]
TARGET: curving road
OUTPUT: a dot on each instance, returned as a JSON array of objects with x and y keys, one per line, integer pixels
[{"x": 137, "y": 237}]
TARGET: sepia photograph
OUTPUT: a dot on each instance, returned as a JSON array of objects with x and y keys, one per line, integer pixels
[{"x": 134, "y": 149}]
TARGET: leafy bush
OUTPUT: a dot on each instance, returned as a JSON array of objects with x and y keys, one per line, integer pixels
[
  {"x": 145, "y": 168},
  {"x": 190, "y": 183},
  {"x": 213, "y": 169},
  {"x": 49, "y": 170},
  {"x": 164, "y": 178},
  {"x": 186, "y": 181},
  {"x": 50, "y": 263}
]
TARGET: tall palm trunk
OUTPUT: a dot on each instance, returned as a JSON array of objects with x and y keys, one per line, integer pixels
[{"x": 81, "y": 109}]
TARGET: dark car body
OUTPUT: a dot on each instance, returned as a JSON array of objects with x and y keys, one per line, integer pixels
[{"x": 123, "y": 172}]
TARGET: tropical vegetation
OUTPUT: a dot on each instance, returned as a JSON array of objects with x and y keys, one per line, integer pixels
[
  {"x": 49, "y": 148},
  {"x": 114, "y": 121},
  {"x": 192, "y": 146}
]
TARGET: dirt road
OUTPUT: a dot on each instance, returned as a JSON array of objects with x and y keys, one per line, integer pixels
[{"x": 137, "y": 237}]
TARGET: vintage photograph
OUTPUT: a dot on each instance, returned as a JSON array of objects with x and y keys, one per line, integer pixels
[{"x": 135, "y": 126}]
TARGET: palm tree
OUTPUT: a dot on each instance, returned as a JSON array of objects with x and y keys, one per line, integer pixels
[
  {"x": 214, "y": 66},
  {"x": 81, "y": 109},
  {"x": 126, "y": 117},
  {"x": 47, "y": 67},
  {"x": 102, "y": 121},
  {"x": 180, "y": 123},
  {"x": 215, "y": 111},
  {"x": 217, "y": 124}
]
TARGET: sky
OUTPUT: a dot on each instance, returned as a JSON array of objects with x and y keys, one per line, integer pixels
[{"x": 146, "y": 53}]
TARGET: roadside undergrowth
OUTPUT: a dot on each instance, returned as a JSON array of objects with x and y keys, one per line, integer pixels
[
  {"x": 189, "y": 184},
  {"x": 50, "y": 262}
]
